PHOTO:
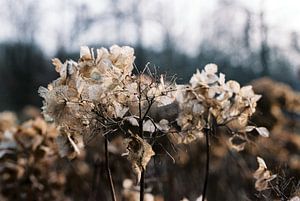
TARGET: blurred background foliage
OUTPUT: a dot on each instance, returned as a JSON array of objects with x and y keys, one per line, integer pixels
[
  {"x": 230, "y": 33},
  {"x": 177, "y": 36}
]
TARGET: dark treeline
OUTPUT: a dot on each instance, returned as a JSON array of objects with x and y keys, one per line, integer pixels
[{"x": 24, "y": 67}]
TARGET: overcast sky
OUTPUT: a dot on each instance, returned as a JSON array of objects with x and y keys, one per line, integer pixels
[{"x": 56, "y": 17}]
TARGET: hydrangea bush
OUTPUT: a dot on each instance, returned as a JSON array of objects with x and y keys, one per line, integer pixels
[{"x": 105, "y": 94}]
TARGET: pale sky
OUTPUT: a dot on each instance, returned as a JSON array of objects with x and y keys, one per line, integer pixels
[{"x": 185, "y": 19}]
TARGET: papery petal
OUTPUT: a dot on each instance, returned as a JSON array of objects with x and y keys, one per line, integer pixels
[
  {"x": 85, "y": 53},
  {"x": 211, "y": 68},
  {"x": 263, "y": 131}
]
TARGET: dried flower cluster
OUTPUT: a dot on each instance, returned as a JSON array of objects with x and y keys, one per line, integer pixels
[
  {"x": 280, "y": 105},
  {"x": 69, "y": 100},
  {"x": 209, "y": 102},
  {"x": 279, "y": 94},
  {"x": 99, "y": 94},
  {"x": 28, "y": 155}
]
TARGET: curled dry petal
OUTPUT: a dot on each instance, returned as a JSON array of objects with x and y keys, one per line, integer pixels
[
  {"x": 262, "y": 175},
  {"x": 85, "y": 53},
  {"x": 249, "y": 128},
  {"x": 262, "y": 167},
  {"x": 233, "y": 86},
  {"x": 263, "y": 131},
  {"x": 164, "y": 125},
  {"x": 148, "y": 126},
  {"x": 132, "y": 120},
  {"x": 211, "y": 68},
  {"x": 139, "y": 154}
]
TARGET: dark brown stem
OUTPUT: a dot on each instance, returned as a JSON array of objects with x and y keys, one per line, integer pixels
[
  {"x": 142, "y": 185},
  {"x": 112, "y": 189},
  {"x": 141, "y": 134},
  {"x": 207, "y": 165},
  {"x": 142, "y": 181}
]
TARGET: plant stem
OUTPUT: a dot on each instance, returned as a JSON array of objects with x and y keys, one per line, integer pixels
[
  {"x": 207, "y": 165},
  {"x": 112, "y": 189},
  {"x": 141, "y": 134},
  {"x": 142, "y": 185},
  {"x": 142, "y": 181}
]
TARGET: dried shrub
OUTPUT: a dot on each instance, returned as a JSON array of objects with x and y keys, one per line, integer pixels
[{"x": 28, "y": 160}]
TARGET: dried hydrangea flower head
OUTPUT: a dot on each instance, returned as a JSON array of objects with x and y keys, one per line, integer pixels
[
  {"x": 133, "y": 102},
  {"x": 69, "y": 99},
  {"x": 211, "y": 101},
  {"x": 29, "y": 153},
  {"x": 100, "y": 94}
]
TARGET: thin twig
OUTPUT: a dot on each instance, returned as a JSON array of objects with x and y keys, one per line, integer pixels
[
  {"x": 150, "y": 102},
  {"x": 167, "y": 152},
  {"x": 207, "y": 135},
  {"x": 112, "y": 189}
]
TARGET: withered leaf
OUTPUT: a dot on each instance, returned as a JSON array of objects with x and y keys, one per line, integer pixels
[
  {"x": 262, "y": 175},
  {"x": 139, "y": 154}
]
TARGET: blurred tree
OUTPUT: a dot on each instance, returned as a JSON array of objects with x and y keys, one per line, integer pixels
[
  {"x": 23, "y": 68},
  {"x": 137, "y": 18},
  {"x": 264, "y": 47},
  {"x": 295, "y": 41},
  {"x": 247, "y": 28},
  {"x": 24, "y": 18}
]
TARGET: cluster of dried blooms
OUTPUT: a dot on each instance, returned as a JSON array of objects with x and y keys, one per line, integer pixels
[
  {"x": 281, "y": 105},
  {"x": 99, "y": 94},
  {"x": 28, "y": 155},
  {"x": 209, "y": 102},
  {"x": 280, "y": 151},
  {"x": 279, "y": 94}
]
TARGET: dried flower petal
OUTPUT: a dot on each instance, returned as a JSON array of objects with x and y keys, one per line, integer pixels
[
  {"x": 85, "y": 53},
  {"x": 263, "y": 131},
  {"x": 262, "y": 175},
  {"x": 139, "y": 154}
]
